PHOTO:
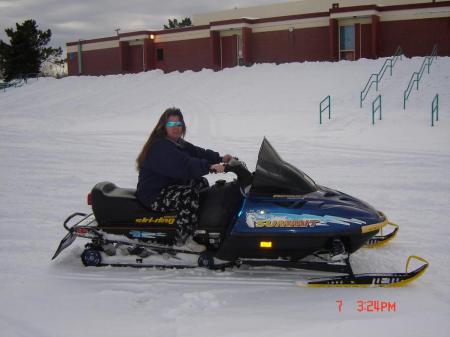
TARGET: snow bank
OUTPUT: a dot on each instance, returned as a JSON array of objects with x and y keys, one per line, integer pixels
[{"x": 59, "y": 137}]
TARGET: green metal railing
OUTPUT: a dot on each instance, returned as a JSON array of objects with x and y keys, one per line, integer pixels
[
  {"x": 363, "y": 94},
  {"x": 20, "y": 80},
  {"x": 376, "y": 107},
  {"x": 376, "y": 78},
  {"x": 322, "y": 109},
  {"x": 417, "y": 76},
  {"x": 397, "y": 55},
  {"x": 14, "y": 83},
  {"x": 433, "y": 54},
  {"x": 26, "y": 77},
  {"x": 435, "y": 110}
]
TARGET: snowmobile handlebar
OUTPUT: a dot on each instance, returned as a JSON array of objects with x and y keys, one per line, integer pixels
[{"x": 239, "y": 168}]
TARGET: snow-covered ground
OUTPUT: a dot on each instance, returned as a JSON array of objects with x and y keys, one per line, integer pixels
[{"x": 60, "y": 137}]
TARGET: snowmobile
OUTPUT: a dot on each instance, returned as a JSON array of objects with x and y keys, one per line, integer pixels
[{"x": 276, "y": 216}]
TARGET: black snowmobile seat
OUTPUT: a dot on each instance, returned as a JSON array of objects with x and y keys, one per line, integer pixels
[
  {"x": 113, "y": 205},
  {"x": 110, "y": 190}
]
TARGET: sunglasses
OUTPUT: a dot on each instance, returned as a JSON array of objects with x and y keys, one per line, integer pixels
[{"x": 172, "y": 124}]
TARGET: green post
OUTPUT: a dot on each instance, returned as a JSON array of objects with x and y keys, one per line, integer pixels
[
  {"x": 380, "y": 107},
  {"x": 329, "y": 107},
  {"x": 328, "y": 99},
  {"x": 80, "y": 58},
  {"x": 375, "y": 109},
  {"x": 432, "y": 114},
  {"x": 435, "y": 109}
]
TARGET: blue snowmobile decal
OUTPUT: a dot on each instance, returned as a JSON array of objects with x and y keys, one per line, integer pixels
[{"x": 259, "y": 219}]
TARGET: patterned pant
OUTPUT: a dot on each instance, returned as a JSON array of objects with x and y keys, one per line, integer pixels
[{"x": 183, "y": 199}]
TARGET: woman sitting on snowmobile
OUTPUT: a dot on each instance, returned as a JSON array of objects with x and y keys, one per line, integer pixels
[{"x": 170, "y": 174}]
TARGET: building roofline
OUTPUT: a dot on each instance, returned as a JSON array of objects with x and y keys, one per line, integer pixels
[
  {"x": 414, "y": 6},
  {"x": 390, "y": 7},
  {"x": 270, "y": 19},
  {"x": 141, "y": 32},
  {"x": 101, "y": 39},
  {"x": 354, "y": 9},
  {"x": 180, "y": 30}
]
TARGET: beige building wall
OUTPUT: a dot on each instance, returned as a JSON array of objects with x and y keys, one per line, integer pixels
[{"x": 290, "y": 8}]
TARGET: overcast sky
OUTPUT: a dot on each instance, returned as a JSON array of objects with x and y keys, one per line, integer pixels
[{"x": 70, "y": 20}]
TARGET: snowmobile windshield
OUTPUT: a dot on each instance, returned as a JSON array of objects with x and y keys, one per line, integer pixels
[{"x": 273, "y": 176}]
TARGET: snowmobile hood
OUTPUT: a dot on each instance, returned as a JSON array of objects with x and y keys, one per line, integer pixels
[
  {"x": 334, "y": 202},
  {"x": 274, "y": 176}
]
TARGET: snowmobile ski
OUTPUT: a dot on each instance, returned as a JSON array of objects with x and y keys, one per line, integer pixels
[
  {"x": 381, "y": 239},
  {"x": 372, "y": 279}
]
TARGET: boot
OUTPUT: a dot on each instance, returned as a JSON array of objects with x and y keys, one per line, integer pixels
[{"x": 191, "y": 245}]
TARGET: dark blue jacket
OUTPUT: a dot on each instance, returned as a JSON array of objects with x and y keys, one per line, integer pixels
[{"x": 172, "y": 163}]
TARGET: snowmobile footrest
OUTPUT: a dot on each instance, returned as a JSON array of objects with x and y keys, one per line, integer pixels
[{"x": 140, "y": 264}]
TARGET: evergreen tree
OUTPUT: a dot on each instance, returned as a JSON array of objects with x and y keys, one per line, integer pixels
[
  {"x": 27, "y": 50},
  {"x": 186, "y": 22}
]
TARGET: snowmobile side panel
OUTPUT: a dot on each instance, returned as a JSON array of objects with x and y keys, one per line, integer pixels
[
  {"x": 294, "y": 246},
  {"x": 219, "y": 204},
  {"x": 308, "y": 217},
  {"x": 115, "y": 206},
  {"x": 118, "y": 211}
]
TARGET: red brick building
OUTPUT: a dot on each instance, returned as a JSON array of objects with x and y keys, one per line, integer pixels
[{"x": 308, "y": 30}]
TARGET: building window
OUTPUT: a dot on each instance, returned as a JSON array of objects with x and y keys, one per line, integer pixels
[
  {"x": 159, "y": 54},
  {"x": 347, "y": 37},
  {"x": 71, "y": 56}
]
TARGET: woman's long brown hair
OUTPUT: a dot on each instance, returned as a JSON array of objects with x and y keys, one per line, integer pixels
[{"x": 159, "y": 132}]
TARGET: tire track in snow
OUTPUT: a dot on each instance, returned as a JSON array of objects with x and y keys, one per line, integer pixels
[{"x": 197, "y": 277}]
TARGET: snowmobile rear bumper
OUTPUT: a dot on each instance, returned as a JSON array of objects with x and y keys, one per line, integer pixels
[{"x": 87, "y": 220}]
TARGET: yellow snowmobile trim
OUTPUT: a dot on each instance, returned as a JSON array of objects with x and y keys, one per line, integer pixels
[
  {"x": 394, "y": 284},
  {"x": 409, "y": 280},
  {"x": 374, "y": 227},
  {"x": 384, "y": 242}
]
